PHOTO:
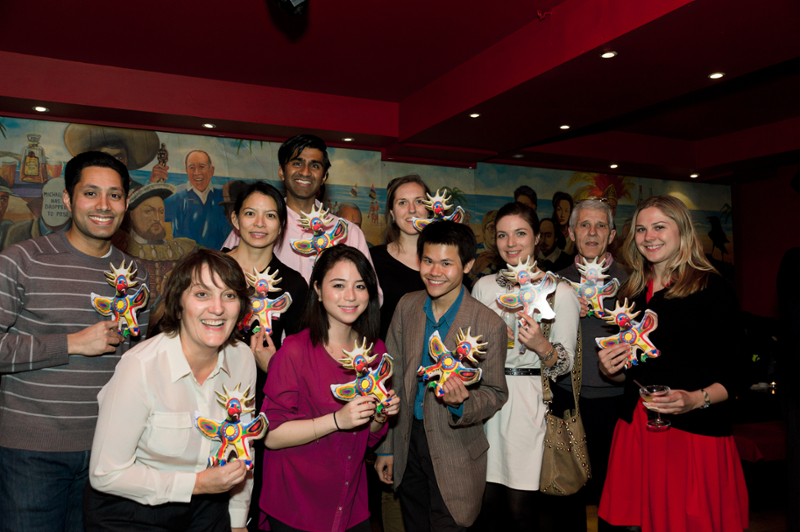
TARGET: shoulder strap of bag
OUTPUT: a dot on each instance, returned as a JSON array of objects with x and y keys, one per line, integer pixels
[{"x": 577, "y": 370}]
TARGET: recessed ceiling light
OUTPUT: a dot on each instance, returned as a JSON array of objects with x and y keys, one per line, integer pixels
[
  {"x": 348, "y": 139},
  {"x": 694, "y": 176},
  {"x": 565, "y": 126},
  {"x": 518, "y": 156},
  {"x": 716, "y": 75},
  {"x": 474, "y": 115},
  {"x": 608, "y": 55},
  {"x": 209, "y": 125},
  {"x": 40, "y": 109},
  {"x": 613, "y": 166}
]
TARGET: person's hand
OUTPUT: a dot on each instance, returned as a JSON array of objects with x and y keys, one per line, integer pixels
[
  {"x": 384, "y": 465},
  {"x": 159, "y": 173},
  {"x": 97, "y": 339},
  {"x": 612, "y": 359},
  {"x": 455, "y": 392},
  {"x": 357, "y": 412},
  {"x": 392, "y": 409},
  {"x": 220, "y": 479},
  {"x": 262, "y": 353},
  {"x": 509, "y": 332},
  {"x": 675, "y": 402},
  {"x": 530, "y": 333},
  {"x": 585, "y": 307}
]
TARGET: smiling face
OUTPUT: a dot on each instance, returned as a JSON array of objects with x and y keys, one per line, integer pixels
[
  {"x": 408, "y": 204},
  {"x": 515, "y": 239},
  {"x": 257, "y": 221},
  {"x": 208, "y": 315},
  {"x": 344, "y": 293},
  {"x": 657, "y": 236},
  {"x": 97, "y": 205},
  {"x": 199, "y": 170},
  {"x": 147, "y": 219},
  {"x": 304, "y": 174},
  {"x": 592, "y": 234},
  {"x": 442, "y": 272}
]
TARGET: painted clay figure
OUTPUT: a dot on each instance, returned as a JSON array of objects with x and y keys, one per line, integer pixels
[
  {"x": 448, "y": 363},
  {"x": 122, "y": 306},
  {"x": 632, "y": 332},
  {"x": 368, "y": 381},
  {"x": 592, "y": 288},
  {"x": 262, "y": 308},
  {"x": 438, "y": 205},
  {"x": 316, "y": 221}
]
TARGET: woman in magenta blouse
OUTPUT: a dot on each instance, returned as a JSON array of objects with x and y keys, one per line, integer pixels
[{"x": 314, "y": 476}]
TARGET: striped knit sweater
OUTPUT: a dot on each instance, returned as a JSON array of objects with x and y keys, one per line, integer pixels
[{"x": 48, "y": 399}]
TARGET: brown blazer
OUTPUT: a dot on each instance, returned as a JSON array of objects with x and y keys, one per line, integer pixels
[{"x": 457, "y": 445}]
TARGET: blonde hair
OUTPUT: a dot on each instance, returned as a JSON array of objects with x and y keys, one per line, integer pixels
[{"x": 687, "y": 272}]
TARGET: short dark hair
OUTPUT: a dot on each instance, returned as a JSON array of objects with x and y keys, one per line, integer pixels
[
  {"x": 449, "y": 234},
  {"x": 268, "y": 190},
  {"x": 392, "y": 231},
  {"x": 525, "y": 190},
  {"x": 187, "y": 270},
  {"x": 521, "y": 210},
  {"x": 74, "y": 169},
  {"x": 315, "y": 318},
  {"x": 294, "y": 146},
  {"x": 186, "y": 159}
]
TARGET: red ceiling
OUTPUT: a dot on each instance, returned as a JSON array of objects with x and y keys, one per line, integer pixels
[{"x": 402, "y": 77}]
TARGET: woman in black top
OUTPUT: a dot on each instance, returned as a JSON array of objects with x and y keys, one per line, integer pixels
[
  {"x": 397, "y": 262},
  {"x": 259, "y": 214},
  {"x": 687, "y": 477}
]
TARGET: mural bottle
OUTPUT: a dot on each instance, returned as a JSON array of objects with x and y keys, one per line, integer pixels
[{"x": 33, "y": 164}]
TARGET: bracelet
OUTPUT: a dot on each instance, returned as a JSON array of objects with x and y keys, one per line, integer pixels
[
  {"x": 550, "y": 354},
  {"x": 335, "y": 423},
  {"x": 705, "y": 398},
  {"x": 376, "y": 420}
]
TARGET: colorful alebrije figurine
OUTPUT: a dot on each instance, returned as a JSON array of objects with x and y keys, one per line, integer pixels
[
  {"x": 592, "y": 288},
  {"x": 438, "y": 206},
  {"x": 368, "y": 381},
  {"x": 233, "y": 432},
  {"x": 316, "y": 221},
  {"x": 631, "y": 332},
  {"x": 262, "y": 308},
  {"x": 448, "y": 363},
  {"x": 122, "y": 306},
  {"x": 531, "y": 297}
]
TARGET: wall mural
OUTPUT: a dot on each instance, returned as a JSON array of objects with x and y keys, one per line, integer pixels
[{"x": 164, "y": 222}]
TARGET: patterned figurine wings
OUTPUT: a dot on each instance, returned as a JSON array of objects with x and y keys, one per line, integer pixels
[
  {"x": 448, "y": 364},
  {"x": 232, "y": 432},
  {"x": 531, "y": 297},
  {"x": 368, "y": 381},
  {"x": 316, "y": 221},
  {"x": 635, "y": 334},
  {"x": 122, "y": 306},
  {"x": 592, "y": 288},
  {"x": 438, "y": 205},
  {"x": 262, "y": 308}
]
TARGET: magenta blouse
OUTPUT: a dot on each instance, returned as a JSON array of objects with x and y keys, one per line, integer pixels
[{"x": 322, "y": 485}]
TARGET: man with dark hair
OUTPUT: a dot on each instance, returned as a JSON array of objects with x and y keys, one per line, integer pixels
[
  {"x": 52, "y": 347},
  {"x": 550, "y": 257},
  {"x": 527, "y": 196},
  {"x": 435, "y": 455},
  {"x": 194, "y": 210}
]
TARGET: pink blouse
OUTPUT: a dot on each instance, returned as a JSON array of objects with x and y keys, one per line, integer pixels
[{"x": 322, "y": 485}]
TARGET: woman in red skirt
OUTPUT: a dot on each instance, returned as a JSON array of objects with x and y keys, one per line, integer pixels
[{"x": 686, "y": 477}]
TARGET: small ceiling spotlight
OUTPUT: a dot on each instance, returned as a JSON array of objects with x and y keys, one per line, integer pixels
[
  {"x": 348, "y": 139},
  {"x": 518, "y": 156},
  {"x": 209, "y": 125},
  {"x": 474, "y": 115},
  {"x": 694, "y": 176},
  {"x": 565, "y": 126},
  {"x": 608, "y": 55},
  {"x": 716, "y": 75},
  {"x": 613, "y": 166},
  {"x": 40, "y": 109}
]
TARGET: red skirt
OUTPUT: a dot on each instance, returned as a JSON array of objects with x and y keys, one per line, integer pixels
[{"x": 673, "y": 481}]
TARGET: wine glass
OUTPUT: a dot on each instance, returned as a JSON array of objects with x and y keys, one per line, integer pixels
[{"x": 647, "y": 393}]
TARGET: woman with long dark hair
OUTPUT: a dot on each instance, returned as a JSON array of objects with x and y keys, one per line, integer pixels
[
  {"x": 314, "y": 464},
  {"x": 685, "y": 477}
]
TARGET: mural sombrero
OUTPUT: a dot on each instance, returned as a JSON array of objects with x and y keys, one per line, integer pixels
[{"x": 141, "y": 146}]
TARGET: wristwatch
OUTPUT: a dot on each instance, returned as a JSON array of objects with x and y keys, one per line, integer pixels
[{"x": 706, "y": 399}]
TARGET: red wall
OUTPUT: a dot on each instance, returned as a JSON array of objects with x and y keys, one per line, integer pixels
[{"x": 766, "y": 224}]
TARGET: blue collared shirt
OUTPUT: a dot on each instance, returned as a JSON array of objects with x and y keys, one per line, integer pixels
[{"x": 431, "y": 326}]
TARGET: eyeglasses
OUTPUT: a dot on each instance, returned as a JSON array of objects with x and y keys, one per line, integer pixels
[{"x": 601, "y": 199}]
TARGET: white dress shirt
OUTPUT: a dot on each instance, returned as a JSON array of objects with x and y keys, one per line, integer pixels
[{"x": 146, "y": 447}]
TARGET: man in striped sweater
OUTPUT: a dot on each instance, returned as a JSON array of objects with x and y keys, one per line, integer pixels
[{"x": 57, "y": 352}]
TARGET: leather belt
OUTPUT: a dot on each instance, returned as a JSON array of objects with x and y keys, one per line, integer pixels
[{"x": 523, "y": 371}]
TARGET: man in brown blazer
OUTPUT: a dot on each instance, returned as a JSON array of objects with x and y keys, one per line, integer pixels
[{"x": 435, "y": 453}]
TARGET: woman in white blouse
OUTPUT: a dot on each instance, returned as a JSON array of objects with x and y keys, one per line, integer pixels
[
  {"x": 149, "y": 462},
  {"x": 516, "y": 432}
]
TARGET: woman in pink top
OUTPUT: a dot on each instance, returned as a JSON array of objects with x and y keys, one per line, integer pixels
[{"x": 314, "y": 476}]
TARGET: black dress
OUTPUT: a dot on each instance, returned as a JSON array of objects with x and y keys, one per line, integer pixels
[{"x": 396, "y": 280}]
